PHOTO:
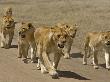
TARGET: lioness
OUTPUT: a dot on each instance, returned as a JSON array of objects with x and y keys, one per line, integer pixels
[
  {"x": 26, "y": 40},
  {"x": 71, "y": 31},
  {"x": 7, "y": 28},
  {"x": 50, "y": 41},
  {"x": 94, "y": 41},
  {"x": 8, "y": 11}
]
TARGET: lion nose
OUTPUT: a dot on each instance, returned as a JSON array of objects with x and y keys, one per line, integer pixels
[
  {"x": 63, "y": 41},
  {"x": 8, "y": 24},
  {"x": 108, "y": 41}
]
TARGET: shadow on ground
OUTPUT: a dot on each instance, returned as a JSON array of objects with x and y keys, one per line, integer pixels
[
  {"x": 69, "y": 74},
  {"x": 77, "y": 55},
  {"x": 14, "y": 46},
  {"x": 103, "y": 65}
]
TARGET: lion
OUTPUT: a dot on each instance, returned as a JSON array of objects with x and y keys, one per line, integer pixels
[
  {"x": 8, "y": 12},
  {"x": 71, "y": 31},
  {"x": 95, "y": 41},
  {"x": 49, "y": 41},
  {"x": 7, "y": 31},
  {"x": 26, "y": 40}
]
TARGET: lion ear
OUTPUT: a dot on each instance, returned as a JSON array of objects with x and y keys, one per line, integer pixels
[
  {"x": 75, "y": 25},
  {"x": 52, "y": 29},
  {"x": 4, "y": 17},
  {"x": 59, "y": 24},
  {"x": 15, "y": 22},
  {"x": 22, "y": 23},
  {"x": 30, "y": 25},
  {"x": 105, "y": 36}
]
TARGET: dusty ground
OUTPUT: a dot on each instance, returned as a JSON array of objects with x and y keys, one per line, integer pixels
[{"x": 90, "y": 15}]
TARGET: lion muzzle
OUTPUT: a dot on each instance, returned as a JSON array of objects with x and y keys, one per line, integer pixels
[
  {"x": 8, "y": 27},
  {"x": 61, "y": 45},
  {"x": 22, "y": 35},
  {"x": 107, "y": 43}
]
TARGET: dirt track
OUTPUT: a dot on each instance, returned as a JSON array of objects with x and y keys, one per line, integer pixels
[{"x": 91, "y": 15}]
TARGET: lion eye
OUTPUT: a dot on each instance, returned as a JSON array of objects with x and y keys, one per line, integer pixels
[
  {"x": 23, "y": 29},
  {"x": 65, "y": 36},
  {"x": 67, "y": 26},
  {"x": 58, "y": 36},
  {"x": 105, "y": 37}
]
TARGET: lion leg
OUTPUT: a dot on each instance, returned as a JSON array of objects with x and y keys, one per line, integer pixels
[
  {"x": 49, "y": 66},
  {"x": 25, "y": 49},
  {"x": 33, "y": 53},
  {"x": 3, "y": 40},
  {"x": 40, "y": 64},
  {"x": 66, "y": 51},
  {"x": 25, "y": 53},
  {"x": 42, "y": 67},
  {"x": 67, "y": 48},
  {"x": 95, "y": 60},
  {"x": 85, "y": 57},
  {"x": 57, "y": 57},
  {"x": 107, "y": 59},
  {"x": 10, "y": 38},
  {"x": 19, "y": 51}
]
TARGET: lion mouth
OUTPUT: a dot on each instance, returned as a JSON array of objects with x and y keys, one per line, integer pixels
[
  {"x": 8, "y": 27},
  {"x": 23, "y": 36},
  {"x": 60, "y": 46},
  {"x": 108, "y": 44},
  {"x": 72, "y": 36}
]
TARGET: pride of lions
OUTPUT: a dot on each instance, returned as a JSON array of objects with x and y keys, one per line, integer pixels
[{"x": 52, "y": 40}]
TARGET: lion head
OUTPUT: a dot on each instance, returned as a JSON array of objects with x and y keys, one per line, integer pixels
[
  {"x": 59, "y": 36},
  {"x": 8, "y": 22},
  {"x": 70, "y": 29},
  {"x": 26, "y": 29},
  {"x": 106, "y": 39},
  {"x": 8, "y": 11}
]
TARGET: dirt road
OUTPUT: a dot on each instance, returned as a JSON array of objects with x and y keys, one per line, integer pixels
[
  {"x": 90, "y": 15},
  {"x": 13, "y": 69}
]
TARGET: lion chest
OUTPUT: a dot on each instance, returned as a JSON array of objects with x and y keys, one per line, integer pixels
[{"x": 50, "y": 46}]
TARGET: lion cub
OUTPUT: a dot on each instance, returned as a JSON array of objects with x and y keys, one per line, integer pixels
[
  {"x": 71, "y": 31},
  {"x": 50, "y": 41},
  {"x": 8, "y": 12},
  {"x": 93, "y": 42},
  {"x": 7, "y": 31},
  {"x": 26, "y": 40}
]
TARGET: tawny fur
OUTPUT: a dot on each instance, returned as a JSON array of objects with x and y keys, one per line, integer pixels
[
  {"x": 26, "y": 40},
  {"x": 49, "y": 41},
  {"x": 93, "y": 42},
  {"x": 8, "y": 11},
  {"x": 7, "y": 31},
  {"x": 71, "y": 31}
]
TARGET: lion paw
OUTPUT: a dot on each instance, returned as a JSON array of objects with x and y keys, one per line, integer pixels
[
  {"x": 54, "y": 74},
  {"x": 84, "y": 63},
  {"x": 96, "y": 67},
  {"x": 108, "y": 68},
  {"x": 67, "y": 57}
]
